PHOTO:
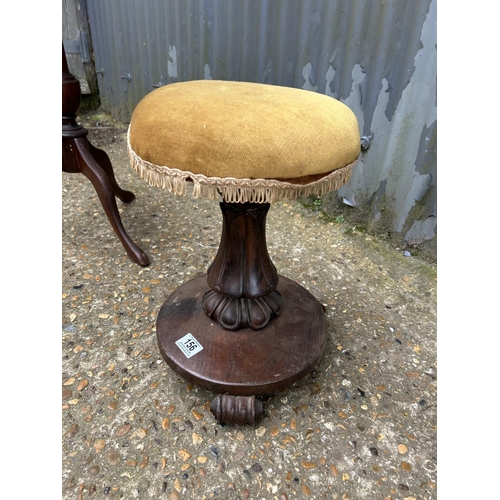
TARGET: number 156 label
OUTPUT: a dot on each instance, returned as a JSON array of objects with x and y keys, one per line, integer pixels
[{"x": 189, "y": 345}]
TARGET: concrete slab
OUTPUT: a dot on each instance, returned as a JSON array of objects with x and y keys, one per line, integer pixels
[{"x": 361, "y": 425}]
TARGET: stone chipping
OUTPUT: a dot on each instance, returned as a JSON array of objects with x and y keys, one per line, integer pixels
[{"x": 361, "y": 425}]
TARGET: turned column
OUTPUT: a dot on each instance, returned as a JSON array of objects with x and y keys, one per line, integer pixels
[
  {"x": 242, "y": 277},
  {"x": 71, "y": 99}
]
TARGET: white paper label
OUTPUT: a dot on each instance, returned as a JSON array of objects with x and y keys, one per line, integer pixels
[{"x": 189, "y": 345}]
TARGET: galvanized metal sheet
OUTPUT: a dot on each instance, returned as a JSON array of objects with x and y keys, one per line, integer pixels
[{"x": 377, "y": 57}]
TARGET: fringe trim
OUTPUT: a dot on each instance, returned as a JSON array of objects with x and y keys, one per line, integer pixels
[{"x": 231, "y": 189}]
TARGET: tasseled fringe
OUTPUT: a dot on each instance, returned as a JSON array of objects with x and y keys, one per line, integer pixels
[{"x": 235, "y": 190}]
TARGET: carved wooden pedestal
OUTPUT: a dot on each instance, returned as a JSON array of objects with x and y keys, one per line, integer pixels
[
  {"x": 241, "y": 331},
  {"x": 242, "y": 278}
]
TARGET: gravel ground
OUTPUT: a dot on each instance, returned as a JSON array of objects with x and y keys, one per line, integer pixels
[{"x": 362, "y": 425}]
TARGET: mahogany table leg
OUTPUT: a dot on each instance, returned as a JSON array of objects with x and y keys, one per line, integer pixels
[
  {"x": 102, "y": 158},
  {"x": 103, "y": 185},
  {"x": 79, "y": 155}
]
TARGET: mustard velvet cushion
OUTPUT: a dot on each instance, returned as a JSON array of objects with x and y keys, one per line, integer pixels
[{"x": 244, "y": 130}]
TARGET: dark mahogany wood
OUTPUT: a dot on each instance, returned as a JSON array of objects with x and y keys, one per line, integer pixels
[
  {"x": 242, "y": 278},
  {"x": 246, "y": 362},
  {"x": 259, "y": 332},
  {"x": 80, "y": 156},
  {"x": 239, "y": 410}
]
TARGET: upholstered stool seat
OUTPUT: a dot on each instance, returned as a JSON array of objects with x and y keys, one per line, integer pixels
[
  {"x": 246, "y": 141},
  {"x": 248, "y": 331}
]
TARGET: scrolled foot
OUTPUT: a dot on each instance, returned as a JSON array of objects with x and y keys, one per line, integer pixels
[
  {"x": 233, "y": 314},
  {"x": 238, "y": 410}
]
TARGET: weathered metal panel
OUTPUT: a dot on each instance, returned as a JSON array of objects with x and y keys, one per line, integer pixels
[
  {"x": 377, "y": 57},
  {"x": 76, "y": 42}
]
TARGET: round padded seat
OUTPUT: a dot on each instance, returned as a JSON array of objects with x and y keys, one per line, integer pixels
[{"x": 248, "y": 142}]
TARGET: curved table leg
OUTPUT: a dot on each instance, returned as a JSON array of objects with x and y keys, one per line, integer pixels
[
  {"x": 106, "y": 187},
  {"x": 103, "y": 160}
]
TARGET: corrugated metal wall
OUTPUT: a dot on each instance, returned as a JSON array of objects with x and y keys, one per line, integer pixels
[
  {"x": 379, "y": 57},
  {"x": 75, "y": 36}
]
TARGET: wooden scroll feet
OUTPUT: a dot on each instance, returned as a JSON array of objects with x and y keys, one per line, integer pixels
[{"x": 239, "y": 410}]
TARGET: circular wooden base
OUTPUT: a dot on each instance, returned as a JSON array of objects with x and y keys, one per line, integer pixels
[{"x": 245, "y": 362}]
